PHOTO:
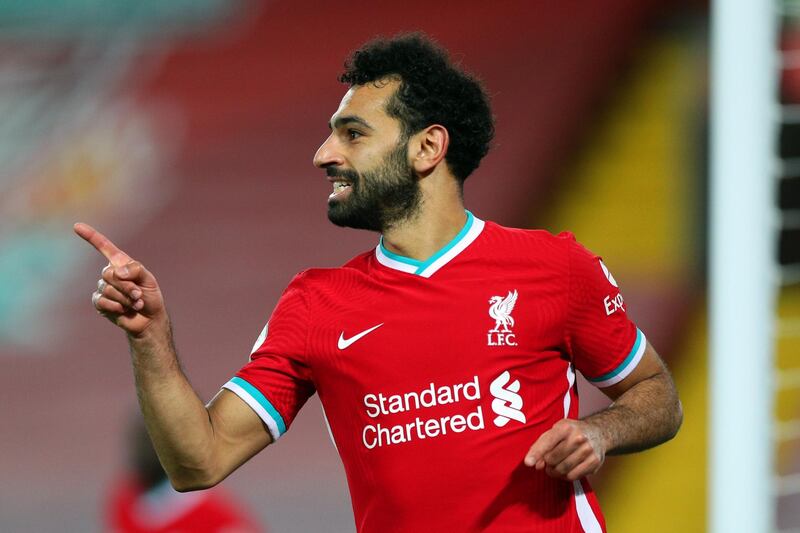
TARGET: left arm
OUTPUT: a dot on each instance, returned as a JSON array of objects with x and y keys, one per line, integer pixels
[{"x": 646, "y": 412}]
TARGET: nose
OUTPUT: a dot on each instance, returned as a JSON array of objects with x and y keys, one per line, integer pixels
[{"x": 327, "y": 154}]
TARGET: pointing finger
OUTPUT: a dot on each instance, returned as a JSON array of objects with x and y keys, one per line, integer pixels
[{"x": 102, "y": 244}]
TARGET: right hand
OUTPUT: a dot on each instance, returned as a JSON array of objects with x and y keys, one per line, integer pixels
[{"x": 127, "y": 293}]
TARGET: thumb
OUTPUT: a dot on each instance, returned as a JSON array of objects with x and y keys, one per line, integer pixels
[
  {"x": 145, "y": 292},
  {"x": 545, "y": 443},
  {"x": 136, "y": 272}
]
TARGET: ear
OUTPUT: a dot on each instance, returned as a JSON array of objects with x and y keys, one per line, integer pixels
[{"x": 428, "y": 148}]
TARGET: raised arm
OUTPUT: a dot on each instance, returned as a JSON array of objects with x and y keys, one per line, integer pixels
[
  {"x": 197, "y": 445},
  {"x": 646, "y": 412}
]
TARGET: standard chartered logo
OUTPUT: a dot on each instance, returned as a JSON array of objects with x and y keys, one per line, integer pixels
[
  {"x": 400, "y": 418},
  {"x": 383, "y": 407},
  {"x": 507, "y": 404}
]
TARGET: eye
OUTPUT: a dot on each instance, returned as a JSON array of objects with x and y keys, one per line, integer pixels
[{"x": 353, "y": 134}]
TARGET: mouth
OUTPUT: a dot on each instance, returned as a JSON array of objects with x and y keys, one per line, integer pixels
[{"x": 341, "y": 188}]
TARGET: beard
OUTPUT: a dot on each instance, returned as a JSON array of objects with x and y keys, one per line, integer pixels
[{"x": 379, "y": 198}]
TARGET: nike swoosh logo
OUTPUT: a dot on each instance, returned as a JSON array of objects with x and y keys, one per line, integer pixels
[{"x": 344, "y": 343}]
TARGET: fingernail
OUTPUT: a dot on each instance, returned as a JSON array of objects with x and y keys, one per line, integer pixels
[
  {"x": 123, "y": 271},
  {"x": 138, "y": 305},
  {"x": 136, "y": 294}
]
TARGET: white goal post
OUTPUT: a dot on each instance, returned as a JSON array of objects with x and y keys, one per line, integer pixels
[{"x": 742, "y": 264}]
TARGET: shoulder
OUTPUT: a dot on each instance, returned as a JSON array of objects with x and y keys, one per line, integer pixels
[
  {"x": 531, "y": 241},
  {"x": 316, "y": 277},
  {"x": 533, "y": 235},
  {"x": 361, "y": 261}
]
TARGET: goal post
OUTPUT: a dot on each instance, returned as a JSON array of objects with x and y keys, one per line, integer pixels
[{"x": 742, "y": 265}]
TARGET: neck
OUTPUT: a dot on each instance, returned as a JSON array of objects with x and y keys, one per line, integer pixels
[{"x": 435, "y": 225}]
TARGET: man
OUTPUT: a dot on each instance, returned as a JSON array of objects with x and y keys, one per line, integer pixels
[{"x": 444, "y": 359}]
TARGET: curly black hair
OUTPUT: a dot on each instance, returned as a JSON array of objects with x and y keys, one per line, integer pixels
[{"x": 432, "y": 91}]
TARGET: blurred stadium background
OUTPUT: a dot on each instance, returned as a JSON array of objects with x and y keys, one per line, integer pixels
[{"x": 185, "y": 129}]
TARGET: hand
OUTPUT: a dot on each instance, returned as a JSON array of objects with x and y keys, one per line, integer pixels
[
  {"x": 570, "y": 450},
  {"x": 127, "y": 294}
]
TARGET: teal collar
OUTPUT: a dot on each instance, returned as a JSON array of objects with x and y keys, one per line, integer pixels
[{"x": 447, "y": 253}]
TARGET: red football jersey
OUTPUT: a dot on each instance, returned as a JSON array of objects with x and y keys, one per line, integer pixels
[
  {"x": 131, "y": 509},
  {"x": 437, "y": 376}
]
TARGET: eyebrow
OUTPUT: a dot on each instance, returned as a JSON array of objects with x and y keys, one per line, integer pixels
[{"x": 347, "y": 119}]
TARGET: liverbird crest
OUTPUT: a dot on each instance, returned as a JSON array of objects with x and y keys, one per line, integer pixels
[{"x": 500, "y": 309}]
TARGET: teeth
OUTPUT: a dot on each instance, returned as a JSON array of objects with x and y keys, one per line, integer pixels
[{"x": 339, "y": 185}]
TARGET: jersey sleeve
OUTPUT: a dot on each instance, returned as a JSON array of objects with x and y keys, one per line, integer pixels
[
  {"x": 604, "y": 343},
  {"x": 277, "y": 380}
]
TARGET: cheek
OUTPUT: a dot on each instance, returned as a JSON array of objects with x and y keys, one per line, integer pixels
[{"x": 367, "y": 163}]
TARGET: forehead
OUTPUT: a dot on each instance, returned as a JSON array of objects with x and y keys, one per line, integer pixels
[{"x": 367, "y": 102}]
